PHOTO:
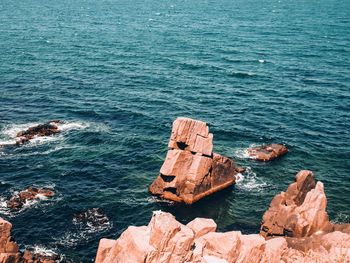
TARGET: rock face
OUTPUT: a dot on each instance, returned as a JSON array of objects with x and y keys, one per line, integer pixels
[
  {"x": 295, "y": 229},
  {"x": 267, "y": 152},
  {"x": 17, "y": 201},
  {"x": 298, "y": 212},
  {"x": 46, "y": 129},
  {"x": 191, "y": 170},
  {"x": 9, "y": 251},
  {"x": 167, "y": 240}
]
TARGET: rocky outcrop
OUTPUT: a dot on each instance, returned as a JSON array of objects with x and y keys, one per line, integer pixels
[
  {"x": 298, "y": 212},
  {"x": 191, "y": 170},
  {"x": 267, "y": 152},
  {"x": 18, "y": 200},
  {"x": 167, "y": 240},
  {"x": 10, "y": 253},
  {"x": 295, "y": 228},
  {"x": 46, "y": 129}
]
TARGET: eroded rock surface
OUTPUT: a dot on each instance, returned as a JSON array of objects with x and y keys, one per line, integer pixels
[
  {"x": 267, "y": 152},
  {"x": 167, "y": 240},
  {"x": 18, "y": 200},
  {"x": 298, "y": 212},
  {"x": 191, "y": 170}
]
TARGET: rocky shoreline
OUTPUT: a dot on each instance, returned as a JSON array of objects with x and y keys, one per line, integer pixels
[{"x": 295, "y": 228}]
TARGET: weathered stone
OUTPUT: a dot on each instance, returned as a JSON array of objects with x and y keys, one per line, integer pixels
[
  {"x": 190, "y": 170},
  {"x": 202, "y": 226},
  {"x": 167, "y": 240},
  {"x": 299, "y": 212},
  {"x": 267, "y": 152}
]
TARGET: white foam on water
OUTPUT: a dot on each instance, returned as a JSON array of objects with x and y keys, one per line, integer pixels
[
  {"x": 40, "y": 200},
  {"x": 242, "y": 153},
  {"x": 250, "y": 182},
  {"x": 72, "y": 125},
  {"x": 42, "y": 250},
  {"x": 341, "y": 218}
]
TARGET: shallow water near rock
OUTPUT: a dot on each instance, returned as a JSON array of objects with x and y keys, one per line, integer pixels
[{"x": 119, "y": 73}]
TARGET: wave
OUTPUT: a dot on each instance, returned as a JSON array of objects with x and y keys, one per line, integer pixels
[{"x": 250, "y": 182}]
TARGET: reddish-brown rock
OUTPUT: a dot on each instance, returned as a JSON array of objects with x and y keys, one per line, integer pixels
[
  {"x": 298, "y": 212},
  {"x": 46, "y": 129},
  {"x": 267, "y": 152},
  {"x": 10, "y": 253},
  {"x": 18, "y": 200},
  {"x": 8, "y": 249},
  {"x": 191, "y": 170}
]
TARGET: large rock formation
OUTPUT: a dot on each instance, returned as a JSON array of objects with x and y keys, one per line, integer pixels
[
  {"x": 298, "y": 212},
  {"x": 167, "y": 240},
  {"x": 295, "y": 229},
  {"x": 191, "y": 170},
  {"x": 267, "y": 152},
  {"x": 10, "y": 253}
]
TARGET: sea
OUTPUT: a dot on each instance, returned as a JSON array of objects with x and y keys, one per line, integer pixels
[{"x": 119, "y": 72}]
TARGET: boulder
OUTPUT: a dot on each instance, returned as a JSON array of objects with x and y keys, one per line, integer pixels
[
  {"x": 9, "y": 251},
  {"x": 267, "y": 152},
  {"x": 191, "y": 170},
  {"x": 167, "y": 240},
  {"x": 18, "y": 200},
  {"x": 298, "y": 212}
]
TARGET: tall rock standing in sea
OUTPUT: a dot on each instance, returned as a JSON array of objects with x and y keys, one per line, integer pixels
[{"x": 191, "y": 170}]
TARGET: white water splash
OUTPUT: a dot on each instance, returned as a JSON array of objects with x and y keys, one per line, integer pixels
[
  {"x": 242, "y": 153},
  {"x": 249, "y": 181}
]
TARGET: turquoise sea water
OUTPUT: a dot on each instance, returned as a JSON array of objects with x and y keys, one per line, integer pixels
[{"x": 119, "y": 72}]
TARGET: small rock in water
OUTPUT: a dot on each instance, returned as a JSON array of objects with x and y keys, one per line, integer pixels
[
  {"x": 17, "y": 201},
  {"x": 267, "y": 152},
  {"x": 40, "y": 130},
  {"x": 93, "y": 217}
]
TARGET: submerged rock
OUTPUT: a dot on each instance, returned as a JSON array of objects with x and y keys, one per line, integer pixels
[
  {"x": 18, "y": 200},
  {"x": 34, "y": 257},
  {"x": 46, "y": 129},
  {"x": 267, "y": 152},
  {"x": 93, "y": 217},
  {"x": 191, "y": 170}
]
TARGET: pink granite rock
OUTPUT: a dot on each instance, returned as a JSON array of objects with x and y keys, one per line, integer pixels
[
  {"x": 267, "y": 152},
  {"x": 166, "y": 240},
  {"x": 298, "y": 212},
  {"x": 191, "y": 170}
]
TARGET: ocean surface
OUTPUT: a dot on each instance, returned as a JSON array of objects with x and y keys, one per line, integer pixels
[{"x": 120, "y": 71}]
